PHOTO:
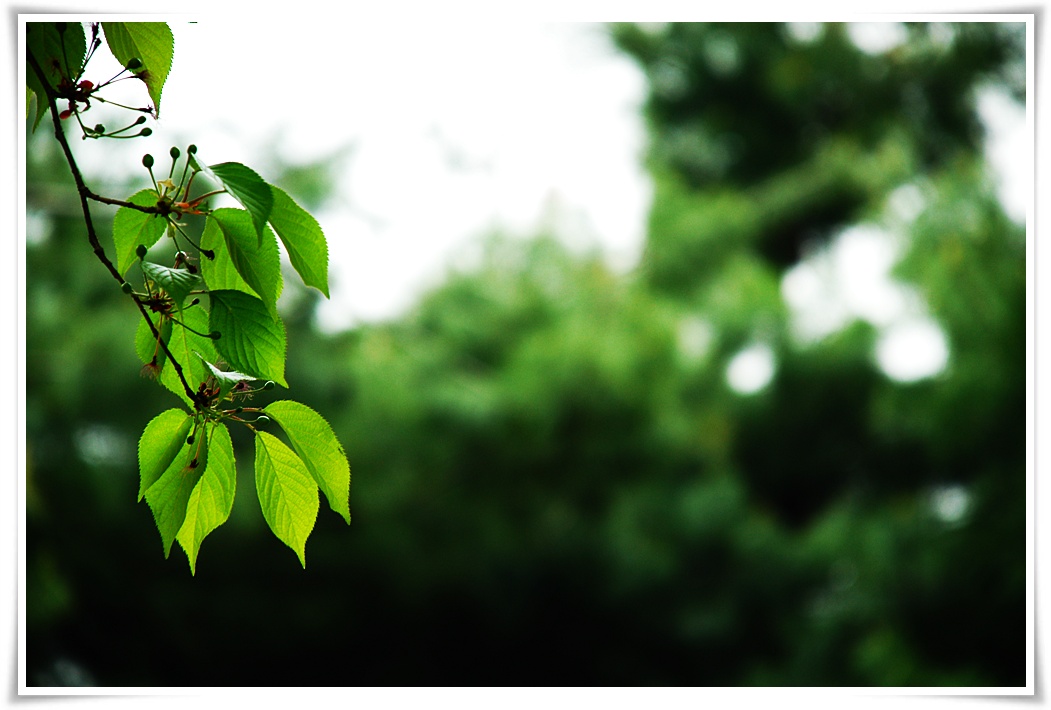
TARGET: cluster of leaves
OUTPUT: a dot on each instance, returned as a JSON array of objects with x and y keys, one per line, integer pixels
[{"x": 210, "y": 328}]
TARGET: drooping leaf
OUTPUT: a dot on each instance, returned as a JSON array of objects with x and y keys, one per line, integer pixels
[
  {"x": 303, "y": 239},
  {"x": 177, "y": 283},
  {"x": 220, "y": 272},
  {"x": 212, "y": 499},
  {"x": 317, "y": 445},
  {"x": 287, "y": 493},
  {"x": 249, "y": 189},
  {"x": 152, "y": 44},
  {"x": 132, "y": 228},
  {"x": 258, "y": 263},
  {"x": 160, "y": 442},
  {"x": 251, "y": 340},
  {"x": 59, "y": 54},
  {"x": 170, "y": 494}
]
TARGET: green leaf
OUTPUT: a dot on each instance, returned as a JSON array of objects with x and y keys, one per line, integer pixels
[
  {"x": 59, "y": 54},
  {"x": 251, "y": 341},
  {"x": 250, "y": 190},
  {"x": 212, "y": 499},
  {"x": 191, "y": 351},
  {"x": 220, "y": 272},
  {"x": 258, "y": 263},
  {"x": 177, "y": 283},
  {"x": 287, "y": 493},
  {"x": 132, "y": 228},
  {"x": 317, "y": 445},
  {"x": 160, "y": 442},
  {"x": 152, "y": 44},
  {"x": 170, "y": 494},
  {"x": 226, "y": 379},
  {"x": 303, "y": 239},
  {"x": 146, "y": 346}
]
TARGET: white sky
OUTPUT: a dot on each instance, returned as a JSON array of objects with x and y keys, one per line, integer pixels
[{"x": 454, "y": 131}]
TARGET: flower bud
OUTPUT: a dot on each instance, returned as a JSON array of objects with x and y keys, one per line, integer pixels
[{"x": 147, "y": 161}]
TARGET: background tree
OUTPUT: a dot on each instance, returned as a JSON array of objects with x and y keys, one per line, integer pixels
[{"x": 556, "y": 484}]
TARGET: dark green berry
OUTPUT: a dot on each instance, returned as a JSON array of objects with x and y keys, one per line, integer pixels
[
  {"x": 147, "y": 160},
  {"x": 133, "y": 63},
  {"x": 174, "y": 153},
  {"x": 140, "y": 251},
  {"x": 139, "y": 121},
  {"x": 192, "y": 149},
  {"x": 99, "y": 128},
  {"x": 146, "y": 132},
  {"x": 263, "y": 420},
  {"x": 268, "y": 386},
  {"x": 215, "y": 335},
  {"x": 126, "y": 287}
]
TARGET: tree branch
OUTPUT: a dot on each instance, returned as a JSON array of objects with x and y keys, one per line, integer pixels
[{"x": 84, "y": 194}]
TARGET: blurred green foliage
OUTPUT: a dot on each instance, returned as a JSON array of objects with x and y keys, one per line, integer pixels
[{"x": 553, "y": 481}]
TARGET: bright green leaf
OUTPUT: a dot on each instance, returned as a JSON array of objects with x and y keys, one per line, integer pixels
[
  {"x": 250, "y": 190},
  {"x": 170, "y": 494},
  {"x": 226, "y": 379},
  {"x": 152, "y": 44},
  {"x": 287, "y": 493},
  {"x": 162, "y": 439},
  {"x": 303, "y": 239},
  {"x": 59, "y": 55},
  {"x": 258, "y": 263},
  {"x": 213, "y": 498},
  {"x": 251, "y": 341},
  {"x": 132, "y": 228},
  {"x": 188, "y": 348},
  {"x": 317, "y": 445},
  {"x": 177, "y": 283},
  {"x": 220, "y": 272},
  {"x": 146, "y": 346}
]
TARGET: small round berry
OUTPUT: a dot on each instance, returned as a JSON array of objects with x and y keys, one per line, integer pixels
[
  {"x": 146, "y": 132},
  {"x": 86, "y": 85},
  {"x": 192, "y": 149},
  {"x": 140, "y": 251},
  {"x": 263, "y": 420},
  {"x": 174, "y": 153},
  {"x": 133, "y": 63},
  {"x": 147, "y": 161},
  {"x": 139, "y": 121},
  {"x": 268, "y": 386},
  {"x": 215, "y": 335},
  {"x": 126, "y": 287}
]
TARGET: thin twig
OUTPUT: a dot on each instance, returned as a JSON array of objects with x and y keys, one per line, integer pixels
[{"x": 84, "y": 194}]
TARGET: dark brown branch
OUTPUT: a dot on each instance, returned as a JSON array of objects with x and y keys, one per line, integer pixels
[{"x": 93, "y": 239}]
